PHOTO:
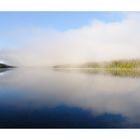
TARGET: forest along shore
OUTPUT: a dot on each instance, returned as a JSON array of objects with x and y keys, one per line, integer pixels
[{"x": 117, "y": 64}]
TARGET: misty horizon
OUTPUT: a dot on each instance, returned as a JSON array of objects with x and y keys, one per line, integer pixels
[
  {"x": 69, "y": 70},
  {"x": 96, "y": 37}
]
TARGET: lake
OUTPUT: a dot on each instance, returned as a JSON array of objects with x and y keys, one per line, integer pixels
[{"x": 69, "y": 98}]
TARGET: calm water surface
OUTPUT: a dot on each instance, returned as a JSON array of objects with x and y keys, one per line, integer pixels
[{"x": 47, "y": 98}]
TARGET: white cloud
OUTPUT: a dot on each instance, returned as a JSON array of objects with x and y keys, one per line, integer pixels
[{"x": 98, "y": 41}]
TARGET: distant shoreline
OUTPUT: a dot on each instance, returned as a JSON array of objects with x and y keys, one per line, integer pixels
[
  {"x": 2, "y": 66},
  {"x": 117, "y": 64}
]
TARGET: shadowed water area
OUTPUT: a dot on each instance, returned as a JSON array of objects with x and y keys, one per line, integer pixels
[{"x": 63, "y": 98}]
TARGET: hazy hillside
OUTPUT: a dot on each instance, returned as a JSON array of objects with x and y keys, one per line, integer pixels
[{"x": 5, "y": 66}]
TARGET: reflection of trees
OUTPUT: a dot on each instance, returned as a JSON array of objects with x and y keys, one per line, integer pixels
[
  {"x": 124, "y": 72},
  {"x": 4, "y": 70},
  {"x": 115, "y": 72}
]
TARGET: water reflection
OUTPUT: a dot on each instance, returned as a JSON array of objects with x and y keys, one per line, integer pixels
[
  {"x": 47, "y": 98},
  {"x": 4, "y": 70},
  {"x": 133, "y": 73}
]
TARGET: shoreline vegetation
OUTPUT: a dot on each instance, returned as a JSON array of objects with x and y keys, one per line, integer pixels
[
  {"x": 117, "y": 64},
  {"x": 122, "y": 68}
]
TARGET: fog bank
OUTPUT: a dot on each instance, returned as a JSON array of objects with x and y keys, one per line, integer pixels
[{"x": 98, "y": 41}]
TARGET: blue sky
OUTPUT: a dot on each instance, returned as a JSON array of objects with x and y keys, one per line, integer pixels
[
  {"x": 57, "y": 20},
  {"x": 61, "y": 21}
]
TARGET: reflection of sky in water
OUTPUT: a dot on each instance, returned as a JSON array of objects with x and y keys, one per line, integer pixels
[{"x": 27, "y": 89}]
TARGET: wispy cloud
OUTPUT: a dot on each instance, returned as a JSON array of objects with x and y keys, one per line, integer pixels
[{"x": 97, "y": 41}]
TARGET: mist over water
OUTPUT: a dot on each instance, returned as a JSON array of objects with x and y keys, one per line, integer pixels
[
  {"x": 34, "y": 95},
  {"x": 68, "y": 98}
]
